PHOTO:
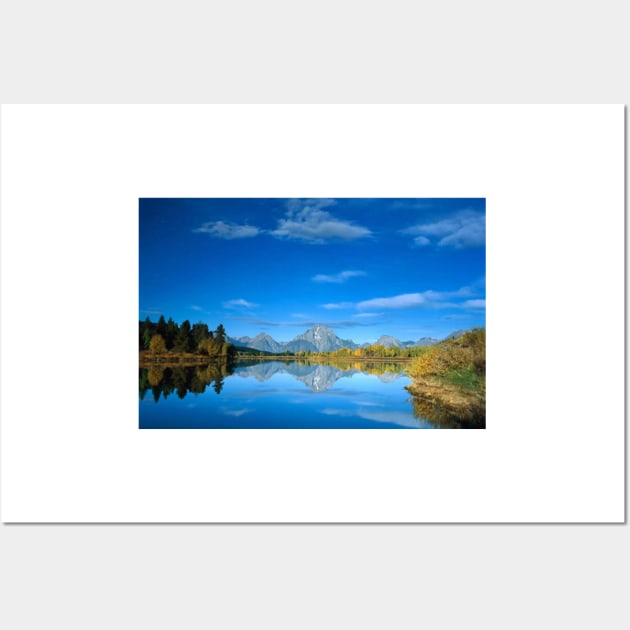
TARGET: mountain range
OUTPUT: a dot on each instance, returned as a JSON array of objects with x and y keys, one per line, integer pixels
[{"x": 320, "y": 338}]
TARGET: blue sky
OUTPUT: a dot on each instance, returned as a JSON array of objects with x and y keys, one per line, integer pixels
[{"x": 409, "y": 268}]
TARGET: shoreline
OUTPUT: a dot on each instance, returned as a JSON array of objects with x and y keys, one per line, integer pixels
[
  {"x": 146, "y": 359},
  {"x": 315, "y": 358},
  {"x": 448, "y": 405}
]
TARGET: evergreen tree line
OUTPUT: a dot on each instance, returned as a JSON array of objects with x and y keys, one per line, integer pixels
[{"x": 169, "y": 336}]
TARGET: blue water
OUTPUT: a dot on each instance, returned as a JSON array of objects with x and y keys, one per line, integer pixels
[{"x": 276, "y": 395}]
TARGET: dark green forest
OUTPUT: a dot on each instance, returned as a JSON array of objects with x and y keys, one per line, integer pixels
[{"x": 168, "y": 337}]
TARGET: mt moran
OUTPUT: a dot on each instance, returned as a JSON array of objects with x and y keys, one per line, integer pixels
[{"x": 319, "y": 338}]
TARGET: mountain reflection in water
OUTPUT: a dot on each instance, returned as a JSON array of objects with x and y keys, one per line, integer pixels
[
  {"x": 291, "y": 394},
  {"x": 277, "y": 394},
  {"x": 319, "y": 377}
]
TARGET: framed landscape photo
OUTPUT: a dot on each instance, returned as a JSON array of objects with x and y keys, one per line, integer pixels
[
  {"x": 312, "y": 313},
  {"x": 208, "y": 310}
]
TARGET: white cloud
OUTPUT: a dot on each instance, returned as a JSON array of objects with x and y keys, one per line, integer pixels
[
  {"x": 221, "y": 229},
  {"x": 429, "y": 299},
  {"x": 463, "y": 292},
  {"x": 234, "y": 412},
  {"x": 337, "y": 278},
  {"x": 406, "y": 300},
  {"x": 474, "y": 304},
  {"x": 306, "y": 220},
  {"x": 421, "y": 241},
  {"x": 365, "y": 315},
  {"x": 342, "y": 323},
  {"x": 338, "y": 305},
  {"x": 240, "y": 303},
  {"x": 409, "y": 204},
  {"x": 390, "y": 416},
  {"x": 463, "y": 229}
]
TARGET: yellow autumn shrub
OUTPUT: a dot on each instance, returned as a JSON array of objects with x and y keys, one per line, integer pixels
[{"x": 464, "y": 353}]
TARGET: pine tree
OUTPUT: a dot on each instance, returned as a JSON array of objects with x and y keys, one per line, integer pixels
[
  {"x": 220, "y": 334},
  {"x": 171, "y": 332},
  {"x": 183, "y": 338},
  {"x": 145, "y": 329},
  {"x": 161, "y": 327},
  {"x": 200, "y": 333}
]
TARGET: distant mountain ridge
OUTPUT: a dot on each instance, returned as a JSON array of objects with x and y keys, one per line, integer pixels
[
  {"x": 320, "y": 338},
  {"x": 323, "y": 339},
  {"x": 390, "y": 342}
]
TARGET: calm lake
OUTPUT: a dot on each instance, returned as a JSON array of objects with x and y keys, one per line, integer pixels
[{"x": 278, "y": 395}]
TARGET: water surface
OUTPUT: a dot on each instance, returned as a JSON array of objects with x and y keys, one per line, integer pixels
[{"x": 277, "y": 395}]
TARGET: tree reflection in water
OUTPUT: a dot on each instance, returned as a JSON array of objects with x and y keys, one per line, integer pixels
[
  {"x": 163, "y": 380},
  {"x": 448, "y": 408},
  {"x": 442, "y": 408}
]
